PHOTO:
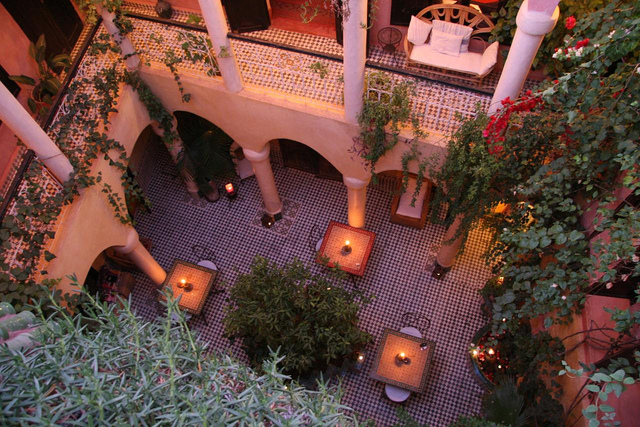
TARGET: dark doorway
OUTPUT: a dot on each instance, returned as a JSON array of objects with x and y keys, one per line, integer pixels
[
  {"x": 401, "y": 10},
  {"x": 56, "y": 19},
  {"x": 247, "y": 15},
  {"x": 298, "y": 156}
]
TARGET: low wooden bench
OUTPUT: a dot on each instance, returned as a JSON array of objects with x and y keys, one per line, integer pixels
[{"x": 412, "y": 216}]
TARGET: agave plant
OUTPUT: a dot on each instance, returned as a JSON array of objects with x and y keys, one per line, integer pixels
[
  {"x": 47, "y": 84},
  {"x": 206, "y": 154}
]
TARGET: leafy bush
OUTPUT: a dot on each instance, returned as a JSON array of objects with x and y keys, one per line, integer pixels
[
  {"x": 505, "y": 29},
  {"x": 312, "y": 318},
  {"x": 126, "y": 371}
]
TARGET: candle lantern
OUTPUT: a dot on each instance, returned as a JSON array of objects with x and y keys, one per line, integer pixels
[
  {"x": 230, "y": 190},
  {"x": 403, "y": 358},
  {"x": 357, "y": 366},
  {"x": 183, "y": 284},
  {"x": 267, "y": 220}
]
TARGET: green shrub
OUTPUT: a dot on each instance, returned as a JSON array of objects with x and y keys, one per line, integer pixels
[
  {"x": 312, "y": 318},
  {"x": 505, "y": 29},
  {"x": 126, "y": 371}
]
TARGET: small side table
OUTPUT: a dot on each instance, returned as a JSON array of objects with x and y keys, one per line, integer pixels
[
  {"x": 389, "y": 38},
  {"x": 201, "y": 281}
]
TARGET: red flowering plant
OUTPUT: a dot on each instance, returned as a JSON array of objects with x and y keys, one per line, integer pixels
[
  {"x": 572, "y": 144},
  {"x": 485, "y": 165}
]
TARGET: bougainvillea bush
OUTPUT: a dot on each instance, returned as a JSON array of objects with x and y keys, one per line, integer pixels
[
  {"x": 549, "y": 156},
  {"x": 571, "y": 11},
  {"x": 126, "y": 371}
]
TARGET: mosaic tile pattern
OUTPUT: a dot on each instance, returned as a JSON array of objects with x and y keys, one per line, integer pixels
[
  {"x": 395, "y": 274},
  {"x": 290, "y": 72},
  {"x": 302, "y": 41},
  {"x": 436, "y": 104},
  {"x": 282, "y": 226}
]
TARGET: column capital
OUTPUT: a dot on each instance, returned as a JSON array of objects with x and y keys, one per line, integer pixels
[
  {"x": 536, "y": 22},
  {"x": 132, "y": 241},
  {"x": 355, "y": 183},
  {"x": 257, "y": 156}
]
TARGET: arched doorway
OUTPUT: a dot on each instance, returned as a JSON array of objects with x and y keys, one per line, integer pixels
[
  {"x": 302, "y": 157},
  {"x": 206, "y": 155}
]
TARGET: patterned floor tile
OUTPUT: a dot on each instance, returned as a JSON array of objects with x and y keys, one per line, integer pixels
[{"x": 395, "y": 274}]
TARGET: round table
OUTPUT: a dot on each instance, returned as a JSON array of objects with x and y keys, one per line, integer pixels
[
  {"x": 389, "y": 38},
  {"x": 397, "y": 394}
]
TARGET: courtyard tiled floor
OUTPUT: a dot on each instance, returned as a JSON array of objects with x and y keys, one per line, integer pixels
[{"x": 397, "y": 274}]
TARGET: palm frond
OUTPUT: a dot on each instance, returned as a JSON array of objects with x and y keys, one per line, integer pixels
[
  {"x": 505, "y": 404},
  {"x": 207, "y": 150}
]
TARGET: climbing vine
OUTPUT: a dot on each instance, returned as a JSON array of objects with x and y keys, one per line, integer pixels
[
  {"x": 171, "y": 60},
  {"x": 83, "y": 137},
  {"x": 386, "y": 112},
  {"x": 550, "y": 157}
]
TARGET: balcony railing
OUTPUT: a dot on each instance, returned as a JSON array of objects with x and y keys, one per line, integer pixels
[{"x": 263, "y": 66}]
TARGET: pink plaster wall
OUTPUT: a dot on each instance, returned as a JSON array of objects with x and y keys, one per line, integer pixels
[
  {"x": 15, "y": 60},
  {"x": 383, "y": 20}
]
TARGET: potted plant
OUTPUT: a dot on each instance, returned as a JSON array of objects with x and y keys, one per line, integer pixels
[
  {"x": 311, "y": 318},
  {"x": 47, "y": 84},
  {"x": 206, "y": 154}
]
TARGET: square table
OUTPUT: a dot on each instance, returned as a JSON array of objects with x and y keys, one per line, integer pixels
[
  {"x": 411, "y": 376},
  {"x": 200, "y": 277},
  {"x": 360, "y": 241}
]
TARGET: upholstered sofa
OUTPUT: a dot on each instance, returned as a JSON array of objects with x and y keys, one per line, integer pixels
[{"x": 472, "y": 62}]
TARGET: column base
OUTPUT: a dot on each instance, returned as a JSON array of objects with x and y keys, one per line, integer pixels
[
  {"x": 268, "y": 219},
  {"x": 439, "y": 271}
]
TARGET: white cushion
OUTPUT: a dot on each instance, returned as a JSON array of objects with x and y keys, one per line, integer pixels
[
  {"x": 467, "y": 62},
  {"x": 418, "y": 32},
  {"x": 457, "y": 29},
  {"x": 489, "y": 59},
  {"x": 404, "y": 205},
  {"x": 446, "y": 43}
]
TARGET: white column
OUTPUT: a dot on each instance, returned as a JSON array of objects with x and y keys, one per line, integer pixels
[
  {"x": 214, "y": 17},
  {"x": 264, "y": 174},
  {"x": 141, "y": 257},
  {"x": 32, "y": 135},
  {"x": 355, "y": 57},
  {"x": 175, "y": 147},
  {"x": 356, "y": 199},
  {"x": 535, "y": 19},
  {"x": 448, "y": 251},
  {"x": 131, "y": 59}
]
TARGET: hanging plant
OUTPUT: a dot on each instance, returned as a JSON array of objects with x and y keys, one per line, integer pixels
[{"x": 46, "y": 85}]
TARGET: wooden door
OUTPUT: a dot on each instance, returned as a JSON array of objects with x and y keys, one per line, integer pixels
[
  {"x": 247, "y": 15},
  {"x": 56, "y": 19}
]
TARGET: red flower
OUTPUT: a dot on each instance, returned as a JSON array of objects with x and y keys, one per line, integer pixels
[
  {"x": 570, "y": 23},
  {"x": 582, "y": 43}
]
